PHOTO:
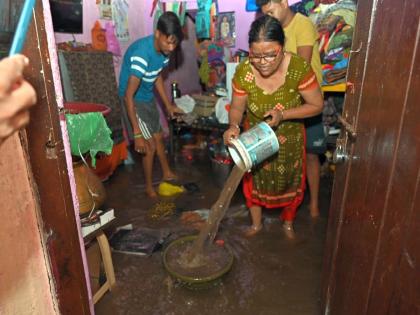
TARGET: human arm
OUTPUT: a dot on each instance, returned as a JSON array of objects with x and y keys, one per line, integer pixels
[
  {"x": 140, "y": 144},
  {"x": 313, "y": 103},
  {"x": 170, "y": 108},
  {"x": 236, "y": 112},
  {"x": 16, "y": 95},
  {"x": 311, "y": 107},
  {"x": 305, "y": 52},
  {"x": 306, "y": 38}
]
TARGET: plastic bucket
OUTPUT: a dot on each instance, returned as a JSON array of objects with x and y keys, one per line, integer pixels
[
  {"x": 82, "y": 107},
  {"x": 254, "y": 146}
]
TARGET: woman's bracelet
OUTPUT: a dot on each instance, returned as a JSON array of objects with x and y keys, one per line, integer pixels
[
  {"x": 280, "y": 109},
  {"x": 234, "y": 126},
  {"x": 138, "y": 136},
  {"x": 281, "y": 115}
]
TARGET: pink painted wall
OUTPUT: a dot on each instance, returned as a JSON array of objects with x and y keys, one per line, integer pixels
[
  {"x": 25, "y": 286},
  {"x": 141, "y": 24},
  {"x": 243, "y": 19},
  {"x": 137, "y": 19}
]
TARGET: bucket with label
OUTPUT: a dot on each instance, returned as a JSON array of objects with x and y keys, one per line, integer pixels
[{"x": 254, "y": 146}]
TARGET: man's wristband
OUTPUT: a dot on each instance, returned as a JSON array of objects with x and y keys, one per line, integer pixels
[{"x": 138, "y": 136}]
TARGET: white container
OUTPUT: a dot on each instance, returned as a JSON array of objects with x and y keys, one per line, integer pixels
[
  {"x": 230, "y": 72},
  {"x": 254, "y": 146}
]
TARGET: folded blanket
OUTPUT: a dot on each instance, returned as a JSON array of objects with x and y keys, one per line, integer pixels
[{"x": 333, "y": 76}]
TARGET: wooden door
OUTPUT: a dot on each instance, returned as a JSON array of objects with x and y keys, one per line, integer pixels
[
  {"x": 46, "y": 154},
  {"x": 372, "y": 260}
]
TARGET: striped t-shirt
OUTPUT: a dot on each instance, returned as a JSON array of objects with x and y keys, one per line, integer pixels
[{"x": 143, "y": 61}]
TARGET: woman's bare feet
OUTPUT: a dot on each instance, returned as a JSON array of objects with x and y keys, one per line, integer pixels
[
  {"x": 288, "y": 229},
  {"x": 253, "y": 230}
]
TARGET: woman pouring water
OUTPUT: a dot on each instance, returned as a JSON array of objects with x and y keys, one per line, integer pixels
[{"x": 280, "y": 86}]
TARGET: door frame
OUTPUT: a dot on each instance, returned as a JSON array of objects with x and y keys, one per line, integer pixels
[{"x": 49, "y": 156}]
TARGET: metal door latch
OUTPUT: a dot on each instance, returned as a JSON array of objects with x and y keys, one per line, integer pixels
[
  {"x": 341, "y": 154},
  {"x": 349, "y": 127}
]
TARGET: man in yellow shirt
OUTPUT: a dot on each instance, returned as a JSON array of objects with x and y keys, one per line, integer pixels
[{"x": 302, "y": 39}]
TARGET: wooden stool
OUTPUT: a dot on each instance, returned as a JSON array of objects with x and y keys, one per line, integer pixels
[
  {"x": 95, "y": 231},
  {"x": 108, "y": 266}
]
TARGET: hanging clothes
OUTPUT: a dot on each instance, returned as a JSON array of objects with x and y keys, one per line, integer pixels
[
  {"x": 203, "y": 19},
  {"x": 177, "y": 7}
]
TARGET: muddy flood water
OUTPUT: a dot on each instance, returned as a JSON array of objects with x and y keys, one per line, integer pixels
[{"x": 271, "y": 274}]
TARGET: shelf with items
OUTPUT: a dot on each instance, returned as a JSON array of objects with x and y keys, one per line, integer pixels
[
  {"x": 333, "y": 106},
  {"x": 340, "y": 87}
]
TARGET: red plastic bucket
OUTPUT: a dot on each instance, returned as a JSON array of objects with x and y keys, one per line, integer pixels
[{"x": 82, "y": 107}]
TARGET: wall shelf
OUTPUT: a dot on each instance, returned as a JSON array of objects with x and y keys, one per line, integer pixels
[{"x": 340, "y": 87}]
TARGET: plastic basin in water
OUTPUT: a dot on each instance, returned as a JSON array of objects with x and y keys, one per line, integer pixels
[{"x": 196, "y": 283}]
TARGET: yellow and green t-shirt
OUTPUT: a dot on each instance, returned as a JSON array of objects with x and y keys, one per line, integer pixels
[{"x": 302, "y": 32}]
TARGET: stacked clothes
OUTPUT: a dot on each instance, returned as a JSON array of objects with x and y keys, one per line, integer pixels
[{"x": 335, "y": 23}]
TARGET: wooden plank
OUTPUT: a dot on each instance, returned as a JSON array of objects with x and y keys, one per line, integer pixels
[
  {"x": 100, "y": 293},
  {"x": 406, "y": 295},
  {"x": 107, "y": 258},
  {"x": 108, "y": 266},
  {"x": 51, "y": 176}
]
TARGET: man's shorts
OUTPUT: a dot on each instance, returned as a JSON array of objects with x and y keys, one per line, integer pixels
[
  {"x": 148, "y": 118},
  {"x": 315, "y": 135}
]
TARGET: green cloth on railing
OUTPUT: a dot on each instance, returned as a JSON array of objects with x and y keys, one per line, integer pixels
[{"x": 88, "y": 132}]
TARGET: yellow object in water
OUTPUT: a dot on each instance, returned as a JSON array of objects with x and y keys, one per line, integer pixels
[{"x": 167, "y": 189}]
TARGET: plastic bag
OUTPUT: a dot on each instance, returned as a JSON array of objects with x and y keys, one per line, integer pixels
[
  {"x": 88, "y": 132},
  {"x": 140, "y": 241},
  {"x": 167, "y": 190},
  {"x": 222, "y": 112},
  {"x": 111, "y": 40},
  {"x": 186, "y": 103},
  {"x": 98, "y": 37}
]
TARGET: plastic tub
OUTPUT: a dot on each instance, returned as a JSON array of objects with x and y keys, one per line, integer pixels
[{"x": 191, "y": 282}]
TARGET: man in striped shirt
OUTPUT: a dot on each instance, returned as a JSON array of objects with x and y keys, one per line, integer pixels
[{"x": 140, "y": 74}]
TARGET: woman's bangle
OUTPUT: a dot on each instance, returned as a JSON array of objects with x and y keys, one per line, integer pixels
[
  {"x": 281, "y": 111},
  {"x": 282, "y": 115},
  {"x": 279, "y": 107},
  {"x": 234, "y": 126},
  {"x": 138, "y": 136}
]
